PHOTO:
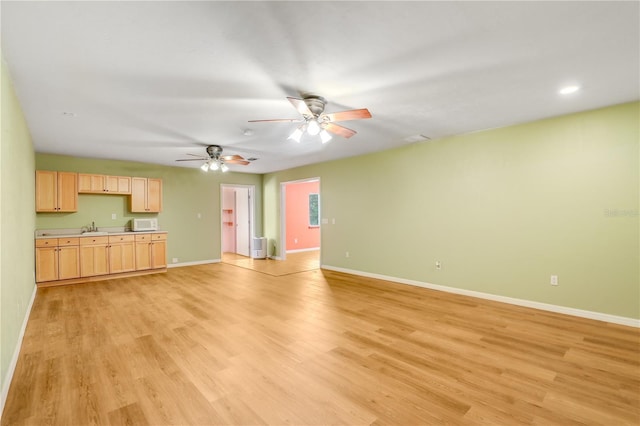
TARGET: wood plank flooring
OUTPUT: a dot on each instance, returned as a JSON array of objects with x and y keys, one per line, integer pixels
[
  {"x": 218, "y": 344},
  {"x": 294, "y": 263}
]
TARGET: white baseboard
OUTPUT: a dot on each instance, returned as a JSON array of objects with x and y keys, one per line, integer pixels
[
  {"x": 306, "y": 249},
  {"x": 16, "y": 353},
  {"x": 197, "y": 262},
  {"x": 631, "y": 322}
]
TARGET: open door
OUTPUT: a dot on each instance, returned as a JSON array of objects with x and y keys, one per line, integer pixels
[
  {"x": 243, "y": 222},
  {"x": 236, "y": 218}
]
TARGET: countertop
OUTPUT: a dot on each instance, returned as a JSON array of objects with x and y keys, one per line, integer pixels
[{"x": 53, "y": 234}]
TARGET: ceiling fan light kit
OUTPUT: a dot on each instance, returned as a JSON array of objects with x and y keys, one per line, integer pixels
[
  {"x": 216, "y": 160},
  {"x": 316, "y": 122}
]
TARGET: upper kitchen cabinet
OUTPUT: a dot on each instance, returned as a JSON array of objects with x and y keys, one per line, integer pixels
[
  {"x": 56, "y": 191},
  {"x": 101, "y": 184},
  {"x": 146, "y": 195}
]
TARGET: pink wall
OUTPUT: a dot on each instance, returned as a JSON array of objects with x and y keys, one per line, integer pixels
[{"x": 299, "y": 235}]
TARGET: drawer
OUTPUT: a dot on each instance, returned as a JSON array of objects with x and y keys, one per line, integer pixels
[
  {"x": 85, "y": 241},
  {"x": 159, "y": 237},
  {"x": 121, "y": 238},
  {"x": 73, "y": 241},
  {"x": 143, "y": 237},
  {"x": 46, "y": 242}
]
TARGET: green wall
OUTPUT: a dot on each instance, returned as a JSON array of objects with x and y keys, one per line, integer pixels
[
  {"x": 186, "y": 192},
  {"x": 502, "y": 209},
  {"x": 17, "y": 223}
]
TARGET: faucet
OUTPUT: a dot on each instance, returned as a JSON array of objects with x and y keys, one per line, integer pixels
[{"x": 93, "y": 227}]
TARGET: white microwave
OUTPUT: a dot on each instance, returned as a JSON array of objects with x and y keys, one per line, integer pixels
[{"x": 138, "y": 225}]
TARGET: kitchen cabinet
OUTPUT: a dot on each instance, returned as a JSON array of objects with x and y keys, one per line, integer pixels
[
  {"x": 122, "y": 256},
  {"x": 79, "y": 259},
  {"x": 146, "y": 195},
  {"x": 57, "y": 259},
  {"x": 94, "y": 256},
  {"x": 56, "y": 191},
  {"x": 158, "y": 251},
  {"x": 101, "y": 184},
  {"x": 151, "y": 251},
  {"x": 118, "y": 184}
]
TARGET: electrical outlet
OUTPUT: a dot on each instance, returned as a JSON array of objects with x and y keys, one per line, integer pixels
[
  {"x": 438, "y": 264},
  {"x": 199, "y": 215},
  {"x": 295, "y": 241},
  {"x": 174, "y": 260},
  {"x": 554, "y": 280},
  {"x": 113, "y": 216},
  {"x": 346, "y": 254}
]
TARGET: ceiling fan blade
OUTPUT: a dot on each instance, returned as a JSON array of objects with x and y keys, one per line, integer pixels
[
  {"x": 301, "y": 106},
  {"x": 193, "y": 159},
  {"x": 232, "y": 157},
  {"x": 339, "y": 130},
  {"x": 194, "y": 155},
  {"x": 354, "y": 114},
  {"x": 242, "y": 162},
  {"x": 276, "y": 120}
]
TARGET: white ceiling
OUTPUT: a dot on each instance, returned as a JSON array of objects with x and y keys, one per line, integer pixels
[{"x": 153, "y": 81}]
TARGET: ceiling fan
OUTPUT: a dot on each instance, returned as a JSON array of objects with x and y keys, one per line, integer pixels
[
  {"x": 316, "y": 121},
  {"x": 217, "y": 161}
]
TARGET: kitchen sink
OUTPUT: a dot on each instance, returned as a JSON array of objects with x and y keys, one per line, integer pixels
[{"x": 95, "y": 233}]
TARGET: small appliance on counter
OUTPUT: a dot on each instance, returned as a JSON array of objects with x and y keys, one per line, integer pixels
[{"x": 139, "y": 225}]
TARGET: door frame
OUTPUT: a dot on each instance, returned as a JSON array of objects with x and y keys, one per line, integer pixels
[
  {"x": 252, "y": 221},
  {"x": 283, "y": 214}
]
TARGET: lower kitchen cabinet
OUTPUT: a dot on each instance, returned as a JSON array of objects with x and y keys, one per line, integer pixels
[
  {"x": 151, "y": 251},
  {"x": 122, "y": 255},
  {"x": 77, "y": 259},
  {"x": 94, "y": 256},
  {"x": 57, "y": 259}
]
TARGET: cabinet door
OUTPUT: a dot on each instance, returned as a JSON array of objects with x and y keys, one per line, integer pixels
[
  {"x": 91, "y": 183},
  {"x": 67, "y": 192},
  {"x": 94, "y": 260},
  {"x": 46, "y": 264},
  {"x": 118, "y": 184},
  {"x": 68, "y": 262},
  {"x": 46, "y": 191},
  {"x": 154, "y": 195},
  {"x": 159, "y": 254},
  {"x": 122, "y": 257},
  {"x": 143, "y": 255},
  {"x": 124, "y": 185},
  {"x": 138, "y": 194}
]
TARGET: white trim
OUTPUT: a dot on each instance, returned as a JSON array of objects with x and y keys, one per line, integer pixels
[
  {"x": 16, "y": 353},
  {"x": 301, "y": 250},
  {"x": 631, "y": 322},
  {"x": 197, "y": 262}
]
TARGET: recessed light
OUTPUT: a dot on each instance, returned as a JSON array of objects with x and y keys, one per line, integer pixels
[
  {"x": 247, "y": 132},
  {"x": 569, "y": 89}
]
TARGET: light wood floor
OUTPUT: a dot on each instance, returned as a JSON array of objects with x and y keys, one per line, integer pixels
[
  {"x": 294, "y": 263},
  {"x": 218, "y": 344}
]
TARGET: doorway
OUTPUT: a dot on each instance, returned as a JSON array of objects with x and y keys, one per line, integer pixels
[
  {"x": 237, "y": 218},
  {"x": 300, "y": 218}
]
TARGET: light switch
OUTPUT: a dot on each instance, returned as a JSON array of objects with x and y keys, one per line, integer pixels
[{"x": 113, "y": 216}]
